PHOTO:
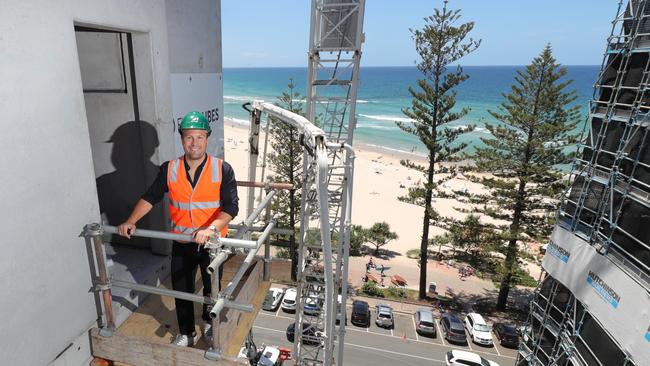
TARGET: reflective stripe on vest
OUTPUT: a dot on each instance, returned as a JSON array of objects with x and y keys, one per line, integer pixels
[
  {"x": 192, "y": 208},
  {"x": 186, "y": 206},
  {"x": 173, "y": 169}
]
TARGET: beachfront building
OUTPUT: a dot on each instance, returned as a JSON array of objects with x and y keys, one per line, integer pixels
[
  {"x": 90, "y": 95},
  {"x": 593, "y": 306}
]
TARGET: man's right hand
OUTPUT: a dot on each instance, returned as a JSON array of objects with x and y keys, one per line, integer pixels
[{"x": 126, "y": 229}]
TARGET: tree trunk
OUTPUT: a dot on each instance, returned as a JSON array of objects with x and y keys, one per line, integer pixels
[
  {"x": 424, "y": 244},
  {"x": 511, "y": 254}
]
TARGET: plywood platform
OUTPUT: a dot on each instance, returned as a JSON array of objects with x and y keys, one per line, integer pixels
[{"x": 143, "y": 339}]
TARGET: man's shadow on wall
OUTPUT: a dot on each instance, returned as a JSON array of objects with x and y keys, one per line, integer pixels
[{"x": 134, "y": 143}]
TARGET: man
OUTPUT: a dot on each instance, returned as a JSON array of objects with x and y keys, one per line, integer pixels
[{"x": 202, "y": 201}]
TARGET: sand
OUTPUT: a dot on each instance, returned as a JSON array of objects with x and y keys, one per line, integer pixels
[{"x": 379, "y": 179}]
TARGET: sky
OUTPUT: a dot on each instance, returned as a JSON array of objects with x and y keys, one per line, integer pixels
[{"x": 275, "y": 33}]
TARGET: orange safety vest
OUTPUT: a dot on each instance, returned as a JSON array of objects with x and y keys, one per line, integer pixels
[{"x": 194, "y": 208}]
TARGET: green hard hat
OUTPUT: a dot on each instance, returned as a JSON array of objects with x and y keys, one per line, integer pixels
[{"x": 194, "y": 121}]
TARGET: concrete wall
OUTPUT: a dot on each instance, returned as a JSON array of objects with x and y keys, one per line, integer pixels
[
  {"x": 196, "y": 65},
  {"x": 48, "y": 186}
]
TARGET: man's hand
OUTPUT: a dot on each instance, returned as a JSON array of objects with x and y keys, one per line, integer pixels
[
  {"x": 126, "y": 229},
  {"x": 201, "y": 236}
]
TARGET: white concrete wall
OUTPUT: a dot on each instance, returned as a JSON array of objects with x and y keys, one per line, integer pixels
[
  {"x": 195, "y": 62},
  {"x": 48, "y": 190}
]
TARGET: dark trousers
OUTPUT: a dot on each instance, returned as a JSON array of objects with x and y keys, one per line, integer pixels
[{"x": 185, "y": 259}]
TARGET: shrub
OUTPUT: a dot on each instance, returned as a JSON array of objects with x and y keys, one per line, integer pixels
[
  {"x": 413, "y": 253},
  {"x": 396, "y": 292},
  {"x": 371, "y": 289}
]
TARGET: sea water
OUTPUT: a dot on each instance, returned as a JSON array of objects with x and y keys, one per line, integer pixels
[{"x": 383, "y": 94}]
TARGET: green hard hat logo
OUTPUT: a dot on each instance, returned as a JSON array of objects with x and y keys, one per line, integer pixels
[{"x": 194, "y": 121}]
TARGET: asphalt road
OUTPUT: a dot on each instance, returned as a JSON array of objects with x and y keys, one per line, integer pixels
[{"x": 375, "y": 346}]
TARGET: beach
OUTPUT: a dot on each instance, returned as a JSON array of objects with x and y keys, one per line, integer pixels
[{"x": 379, "y": 179}]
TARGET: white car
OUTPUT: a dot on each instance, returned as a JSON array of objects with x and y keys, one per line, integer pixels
[
  {"x": 289, "y": 301},
  {"x": 463, "y": 358},
  {"x": 272, "y": 299},
  {"x": 270, "y": 356},
  {"x": 478, "y": 329}
]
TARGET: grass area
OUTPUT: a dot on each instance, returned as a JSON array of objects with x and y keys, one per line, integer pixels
[{"x": 391, "y": 292}]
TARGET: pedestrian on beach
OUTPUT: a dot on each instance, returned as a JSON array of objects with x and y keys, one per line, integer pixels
[
  {"x": 367, "y": 267},
  {"x": 382, "y": 270},
  {"x": 371, "y": 264},
  {"x": 382, "y": 282}
]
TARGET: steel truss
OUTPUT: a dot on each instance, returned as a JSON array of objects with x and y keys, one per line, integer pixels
[
  {"x": 335, "y": 39},
  {"x": 323, "y": 247}
]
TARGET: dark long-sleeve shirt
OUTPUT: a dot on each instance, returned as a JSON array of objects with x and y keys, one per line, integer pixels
[{"x": 229, "y": 197}]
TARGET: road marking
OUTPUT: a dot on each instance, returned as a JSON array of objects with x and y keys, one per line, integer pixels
[
  {"x": 438, "y": 330},
  {"x": 277, "y": 316},
  {"x": 277, "y": 313},
  {"x": 416, "y": 329},
  {"x": 394, "y": 353},
  {"x": 496, "y": 347},
  {"x": 469, "y": 342},
  {"x": 386, "y": 335},
  {"x": 391, "y": 331}
]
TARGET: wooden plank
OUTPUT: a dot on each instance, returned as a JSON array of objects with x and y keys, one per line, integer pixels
[
  {"x": 232, "y": 319},
  {"x": 246, "y": 323},
  {"x": 139, "y": 351},
  {"x": 152, "y": 326}
]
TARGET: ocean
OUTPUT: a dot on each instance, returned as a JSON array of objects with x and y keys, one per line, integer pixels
[{"x": 383, "y": 93}]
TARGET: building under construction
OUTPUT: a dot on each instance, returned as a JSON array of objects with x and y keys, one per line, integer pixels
[{"x": 593, "y": 306}]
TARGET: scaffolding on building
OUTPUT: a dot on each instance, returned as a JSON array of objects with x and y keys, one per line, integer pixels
[
  {"x": 608, "y": 203},
  {"x": 607, "y": 206}
]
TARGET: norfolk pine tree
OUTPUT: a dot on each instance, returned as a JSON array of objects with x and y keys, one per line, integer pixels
[
  {"x": 536, "y": 126},
  {"x": 286, "y": 161},
  {"x": 439, "y": 44}
]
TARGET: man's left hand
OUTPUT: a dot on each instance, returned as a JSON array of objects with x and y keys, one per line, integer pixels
[{"x": 202, "y": 236}]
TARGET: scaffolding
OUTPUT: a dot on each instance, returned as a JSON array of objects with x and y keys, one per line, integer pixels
[
  {"x": 108, "y": 342},
  {"x": 608, "y": 203},
  {"x": 603, "y": 217},
  {"x": 561, "y": 331}
]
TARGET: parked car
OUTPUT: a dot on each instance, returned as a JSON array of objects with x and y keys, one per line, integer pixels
[
  {"x": 289, "y": 301},
  {"x": 506, "y": 334},
  {"x": 384, "y": 316},
  {"x": 310, "y": 335},
  {"x": 452, "y": 328},
  {"x": 424, "y": 323},
  {"x": 360, "y": 313},
  {"x": 272, "y": 299},
  {"x": 312, "y": 305},
  {"x": 478, "y": 329},
  {"x": 464, "y": 358},
  {"x": 270, "y": 356}
]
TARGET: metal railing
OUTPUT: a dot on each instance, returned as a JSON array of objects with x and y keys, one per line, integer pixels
[{"x": 219, "y": 250}]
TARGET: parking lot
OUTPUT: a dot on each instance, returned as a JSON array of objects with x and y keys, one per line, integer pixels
[{"x": 403, "y": 331}]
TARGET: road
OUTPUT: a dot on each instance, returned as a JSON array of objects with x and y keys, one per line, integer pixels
[{"x": 376, "y": 346}]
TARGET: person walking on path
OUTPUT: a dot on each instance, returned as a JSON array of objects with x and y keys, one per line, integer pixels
[{"x": 202, "y": 201}]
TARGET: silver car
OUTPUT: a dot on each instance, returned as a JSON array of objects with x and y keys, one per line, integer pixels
[
  {"x": 384, "y": 316},
  {"x": 424, "y": 323}
]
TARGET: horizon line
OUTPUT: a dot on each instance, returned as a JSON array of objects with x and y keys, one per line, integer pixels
[{"x": 304, "y": 67}]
